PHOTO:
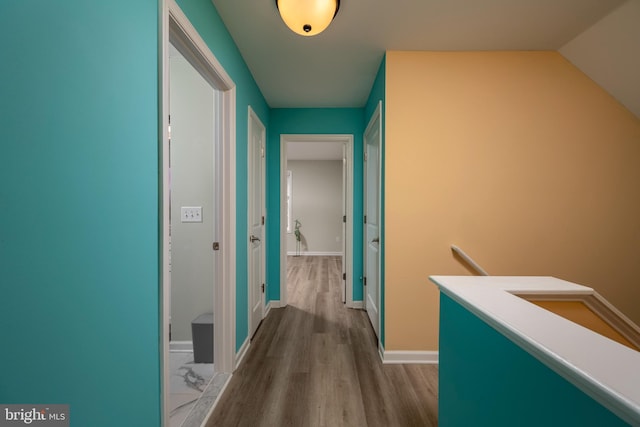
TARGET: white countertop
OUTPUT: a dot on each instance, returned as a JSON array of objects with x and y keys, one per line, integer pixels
[{"x": 607, "y": 371}]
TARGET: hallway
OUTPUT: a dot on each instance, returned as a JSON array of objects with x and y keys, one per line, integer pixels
[{"x": 315, "y": 363}]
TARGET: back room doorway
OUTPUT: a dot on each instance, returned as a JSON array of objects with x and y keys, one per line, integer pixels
[{"x": 317, "y": 203}]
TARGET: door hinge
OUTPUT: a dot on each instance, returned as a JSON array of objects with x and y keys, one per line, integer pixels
[
  {"x": 344, "y": 218},
  {"x": 262, "y": 152},
  {"x": 366, "y": 156},
  {"x": 365, "y": 219},
  {"x": 262, "y": 288},
  {"x": 216, "y": 246},
  {"x": 364, "y": 281},
  {"x": 262, "y": 219},
  {"x": 344, "y": 276}
]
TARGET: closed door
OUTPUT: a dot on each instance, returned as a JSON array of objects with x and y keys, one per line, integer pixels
[
  {"x": 372, "y": 144},
  {"x": 256, "y": 221},
  {"x": 344, "y": 223}
]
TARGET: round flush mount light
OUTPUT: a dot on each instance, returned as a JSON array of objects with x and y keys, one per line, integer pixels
[{"x": 307, "y": 17}]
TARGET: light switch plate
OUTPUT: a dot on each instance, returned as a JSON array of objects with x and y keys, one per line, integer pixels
[{"x": 191, "y": 214}]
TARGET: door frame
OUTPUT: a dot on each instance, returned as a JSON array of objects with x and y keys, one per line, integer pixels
[
  {"x": 346, "y": 139},
  {"x": 376, "y": 115},
  {"x": 175, "y": 28},
  {"x": 253, "y": 118}
]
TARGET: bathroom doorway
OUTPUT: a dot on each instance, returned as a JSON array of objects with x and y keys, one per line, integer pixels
[
  {"x": 191, "y": 232},
  {"x": 197, "y": 237}
]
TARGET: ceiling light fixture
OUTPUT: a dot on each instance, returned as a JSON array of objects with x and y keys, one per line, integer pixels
[{"x": 308, "y": 17}]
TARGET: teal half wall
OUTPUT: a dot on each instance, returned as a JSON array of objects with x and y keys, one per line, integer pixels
[
  {"x": 205, "y": 18},
  {"x": 79, "y": 245},
  {"x": 377, "y": 96},
  {"x": 311, "y": 121},
  {"x": 486, "y": 380}
]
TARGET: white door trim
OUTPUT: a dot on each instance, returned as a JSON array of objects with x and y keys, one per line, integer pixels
[
  {"x": 254, "y": 119},
  {"x": 347, "y": 139},
  {"x": 376, "y": 116},
  {"x": 176, "y": 28}
]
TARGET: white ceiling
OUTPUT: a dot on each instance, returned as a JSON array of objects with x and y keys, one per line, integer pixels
[{"x": 337, "y": 67}]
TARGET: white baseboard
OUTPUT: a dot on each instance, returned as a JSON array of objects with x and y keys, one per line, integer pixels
[
  {"x": 311, "y": 253},
  {"x": 272, "y": 304},
  {"x": 358, "y": 305},
  {"x": 241, "y": 353},
  {"x": 409, "y": 357},
  {"x": 180, "y": 346}
]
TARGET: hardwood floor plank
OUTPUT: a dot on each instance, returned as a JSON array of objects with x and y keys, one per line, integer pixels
[
  {"x": 316, "y": 363},
  {"x": 424, "y": 382},
  {"x": 379, "y": 407},
  {"x": 297, "y": 397},
  {"x": 413, "y": 411}
]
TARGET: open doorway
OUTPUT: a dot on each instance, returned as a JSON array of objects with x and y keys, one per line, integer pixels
[
  {"x": 192, "y": 217},
  {"x": 198, "y": 227},
  {"x": 317, "y": 203}
]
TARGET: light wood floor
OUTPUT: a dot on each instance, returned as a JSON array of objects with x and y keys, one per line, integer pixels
[{"x": 315, "y": 363}]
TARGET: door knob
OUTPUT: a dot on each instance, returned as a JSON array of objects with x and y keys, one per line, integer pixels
[
  {"x": 253, "y": 238},
  {"x": 376, "y": 240}
]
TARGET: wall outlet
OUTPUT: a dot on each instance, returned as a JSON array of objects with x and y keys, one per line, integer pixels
[{"x": 191, "y": 214}]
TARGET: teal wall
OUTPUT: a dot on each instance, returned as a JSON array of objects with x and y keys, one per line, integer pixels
[
  {"x": 209, "y": 25},
  {"x": 311, "y": 121},
  {"x": 79, "y": 222},
  {"x": 378, "y": 93},
  {"x": 487, "y": 380},
  {"x": 79, "y": 263}
]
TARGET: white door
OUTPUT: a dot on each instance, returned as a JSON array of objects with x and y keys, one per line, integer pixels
[
  {"x": 256, "y": 172},
  {"x": 372, "y": 138},
  {"x": 344, "y": 223}
]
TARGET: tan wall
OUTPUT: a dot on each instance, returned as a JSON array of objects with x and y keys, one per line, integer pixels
[
  {"x": 579, "y": 313},
  {"x": 519, "y": 159}
]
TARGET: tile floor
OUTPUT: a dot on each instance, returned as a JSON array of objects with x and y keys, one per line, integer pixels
[{"x": 193, "y": 389}]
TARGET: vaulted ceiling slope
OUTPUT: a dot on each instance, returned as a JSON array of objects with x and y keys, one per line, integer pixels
[{"x": 337, "y": 68}]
